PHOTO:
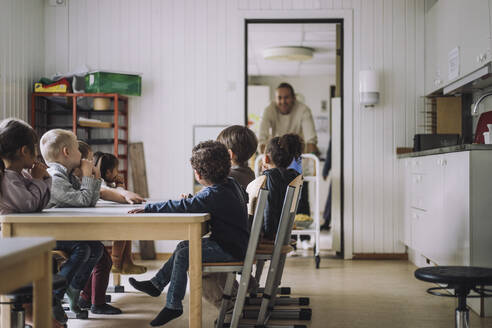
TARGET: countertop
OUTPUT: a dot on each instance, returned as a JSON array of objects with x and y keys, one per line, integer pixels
[{"x": 444, "y": 150}]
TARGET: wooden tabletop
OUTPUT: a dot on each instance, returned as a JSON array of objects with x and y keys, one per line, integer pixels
[
  {"x": 17, "y": 249},
  {"x": 112, "y": 213}
]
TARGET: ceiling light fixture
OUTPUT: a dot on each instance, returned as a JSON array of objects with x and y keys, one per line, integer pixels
[{"x": 288, "y": 53}]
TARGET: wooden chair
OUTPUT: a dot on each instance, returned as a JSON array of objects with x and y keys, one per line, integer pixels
[{"x": 258, "y": 196}]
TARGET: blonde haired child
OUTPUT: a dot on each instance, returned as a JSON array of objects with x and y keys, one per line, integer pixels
[{"x": 61, "y": 152}]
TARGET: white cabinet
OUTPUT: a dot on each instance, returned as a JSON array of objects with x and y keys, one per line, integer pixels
[
  {"x": 432, "y": 71},
  {"x": 454, "y": 240},
  {"x": 447, "y": 215},
  {"x": 451, "y": 24},
  {"x": 447, "y": 207},
  {"x": 472, "y": 24}
]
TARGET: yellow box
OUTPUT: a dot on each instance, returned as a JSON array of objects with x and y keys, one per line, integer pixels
[{"x": 60, "y": 88}]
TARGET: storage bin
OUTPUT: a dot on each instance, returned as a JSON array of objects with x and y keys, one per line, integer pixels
[{"x": 113, "y": 82}]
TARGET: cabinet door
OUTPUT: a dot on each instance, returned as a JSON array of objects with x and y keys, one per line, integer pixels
[
  {"x": 406, "y": 226},
  {"x": 419, "y": 231},
  {"x": 454, "y": 241},
  {"x": 432, "y": 194},
  {"x": 454, "y": 24},
  {"x": 432, "y": 80},
  {"x": 472, "y": 20}
]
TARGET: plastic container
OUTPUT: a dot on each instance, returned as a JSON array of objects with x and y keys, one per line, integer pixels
[{"x": 129, "y": 84}]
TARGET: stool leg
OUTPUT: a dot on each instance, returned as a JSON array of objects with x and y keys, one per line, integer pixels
[
  {"x": 462, "y": 318},
  {"x": 17, "y": 316},
  {"x": 462, "y": 315}
]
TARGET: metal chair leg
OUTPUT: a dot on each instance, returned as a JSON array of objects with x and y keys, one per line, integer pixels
[
  {"x": 241, "y": 297},
  {"x": 226, "y": 299}
]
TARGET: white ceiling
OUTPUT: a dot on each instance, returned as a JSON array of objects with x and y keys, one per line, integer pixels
[{"x": 320, "y": 37}]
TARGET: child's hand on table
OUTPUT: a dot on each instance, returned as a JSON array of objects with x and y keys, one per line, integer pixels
[
  {"x": 132, "y": 198},
  {"x": 136, "y": 211}
]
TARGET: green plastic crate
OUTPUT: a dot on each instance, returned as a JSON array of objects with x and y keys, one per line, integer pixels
[{"x": 109, "y": 82}]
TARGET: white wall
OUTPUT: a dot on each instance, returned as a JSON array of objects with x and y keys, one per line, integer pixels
[
  {"x": 190, "y": 54},
  {"x": 21, "y": 54}
]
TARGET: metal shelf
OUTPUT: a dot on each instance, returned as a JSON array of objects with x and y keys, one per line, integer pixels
[{"x": 105, "y": 141}]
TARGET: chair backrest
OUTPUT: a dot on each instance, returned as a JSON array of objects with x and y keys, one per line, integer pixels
[
  {"x": 253, "y": 190},
  {"x": 289, "y": 210},
  {"x": 258, "y": 195}
]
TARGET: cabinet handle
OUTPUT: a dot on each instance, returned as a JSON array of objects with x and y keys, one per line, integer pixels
[{"x": 444, "y": 162}]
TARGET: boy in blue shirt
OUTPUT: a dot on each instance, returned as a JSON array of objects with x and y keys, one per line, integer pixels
[{"x": 226, "y": 201}]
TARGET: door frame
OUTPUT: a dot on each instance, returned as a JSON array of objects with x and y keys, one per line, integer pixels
[{"x": 345, "y": 17}]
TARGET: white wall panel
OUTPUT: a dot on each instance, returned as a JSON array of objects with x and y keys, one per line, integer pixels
[
  {"x": 190, "y": 54},
  {"x": 21, "y": 54}
]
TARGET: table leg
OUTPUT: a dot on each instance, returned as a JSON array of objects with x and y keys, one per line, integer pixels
[
  {"x": 42, "y": 295},
  {"x": 4, "y": 312},
  {"x": 5, "y": 308},
  {"x": 195, "y": 272}
]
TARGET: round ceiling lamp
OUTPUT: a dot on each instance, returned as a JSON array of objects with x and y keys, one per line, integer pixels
[{"x": 288, "y": 53}]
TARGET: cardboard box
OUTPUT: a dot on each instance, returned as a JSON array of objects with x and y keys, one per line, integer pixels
[{"x": 449, "y": 115}]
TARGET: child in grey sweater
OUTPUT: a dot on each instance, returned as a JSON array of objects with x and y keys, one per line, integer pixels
[{"x": 60, "y": 150}]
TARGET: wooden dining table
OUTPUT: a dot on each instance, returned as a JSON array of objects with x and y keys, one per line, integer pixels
[
  {"x": 109, "y": 221},
  {"x": 23, "y": 261}
]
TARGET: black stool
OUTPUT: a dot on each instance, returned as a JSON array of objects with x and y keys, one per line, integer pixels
[
  {"x": 23, "y": 295},
  {"x": 463, "y": 280}
]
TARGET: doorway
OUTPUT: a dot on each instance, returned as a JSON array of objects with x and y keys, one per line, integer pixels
[{"x": 318, "y": 83}]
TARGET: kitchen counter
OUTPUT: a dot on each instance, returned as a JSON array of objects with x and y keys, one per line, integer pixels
[{"x": 444, "y": 150}]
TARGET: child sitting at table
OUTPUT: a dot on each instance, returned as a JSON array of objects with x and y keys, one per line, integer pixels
[
  {"x": 61, "y": 152},
  {"x": 279, "y": 153},
  {"x": 93, "y": 296},
  {"x": 118, "y": 195},
  {"x": 226, "y": 201},
  {"x": 113, "y": 184},
  {"x": 25, "y": 183},
  {"x": 241, "y": 143}
]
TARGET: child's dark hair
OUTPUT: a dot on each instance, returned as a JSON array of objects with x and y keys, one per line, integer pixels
[
  {"x": 282, "y": 150},
  {"x": 108, "y": 162},
  {"x": 211, "y": 160},
  {"x": 241, "y": 140},
  {"x": 84, "y": 148},
  {"x": 14, "y": 134}
]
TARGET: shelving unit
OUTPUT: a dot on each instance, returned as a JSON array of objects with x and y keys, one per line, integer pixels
[{"x": 51, "y": 109}]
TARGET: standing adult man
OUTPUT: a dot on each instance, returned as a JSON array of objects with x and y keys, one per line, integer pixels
[{"x": 287, "y": 115}]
